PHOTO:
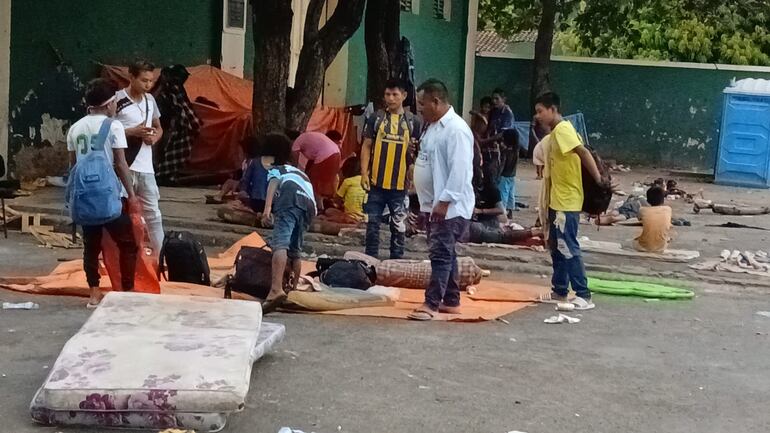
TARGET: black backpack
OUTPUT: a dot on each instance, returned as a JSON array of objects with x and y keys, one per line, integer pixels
[
  {"x": 351, "y": 274},
  {"x": 596, "y": 197},
  {"x": 185, "y": 259},
  {"x": 253, "y": 273}
]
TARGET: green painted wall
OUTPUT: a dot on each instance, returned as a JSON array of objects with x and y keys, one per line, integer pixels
[
  {"x": 109, "y": 31},
  {"x": 636, "y": 114},
  {"x": 438, "y": 46}
]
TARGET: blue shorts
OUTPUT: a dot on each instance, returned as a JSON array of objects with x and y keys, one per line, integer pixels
[{"x": 290, "y": 225}]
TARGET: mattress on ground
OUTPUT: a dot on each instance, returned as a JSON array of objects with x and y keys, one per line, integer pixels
[{"x": 149, "y": 361}]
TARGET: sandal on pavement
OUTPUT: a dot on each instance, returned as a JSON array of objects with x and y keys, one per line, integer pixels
[
  {"x": 422, "y": 314},
  {"x": 552, "y": 298},
  {"x": 583, "y": 304},
  {"x": 270, "y": 305}
]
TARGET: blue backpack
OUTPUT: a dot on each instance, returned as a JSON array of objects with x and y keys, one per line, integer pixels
[{"x": 93, "y": 189}]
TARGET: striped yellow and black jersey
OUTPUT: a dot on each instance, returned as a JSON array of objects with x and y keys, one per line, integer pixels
[{"x": 390, "y": 135}]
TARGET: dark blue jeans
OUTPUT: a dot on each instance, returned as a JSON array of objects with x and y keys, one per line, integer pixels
[
  {"x": 374, "y": 207},
  {"x": 444, "y": 283},
  {"x": 567, "y": 259}
]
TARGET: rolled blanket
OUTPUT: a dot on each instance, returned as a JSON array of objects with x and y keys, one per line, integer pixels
[{"x": 415, "y": 274}]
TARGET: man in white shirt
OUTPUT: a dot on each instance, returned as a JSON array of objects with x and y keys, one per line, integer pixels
[
  {"x": 139, "y": 114},
  {"x": 443, "y": 178},
  {"x": 100, "y": 97}
]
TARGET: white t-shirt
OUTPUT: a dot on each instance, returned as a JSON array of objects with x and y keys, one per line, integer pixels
[
  {"x": 131, "y": 114},
  {"x": 423, "y": 176},
  {"x": 82, "y": 136}
]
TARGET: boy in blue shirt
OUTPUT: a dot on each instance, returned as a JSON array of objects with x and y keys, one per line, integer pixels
[{"x": 289, "y": 207}]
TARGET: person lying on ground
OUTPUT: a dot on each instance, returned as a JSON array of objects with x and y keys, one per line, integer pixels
[
  {"x": 81, "y": 137},
  {"x": 656, "y": 223},
  {"x": 351, "y": 194},
  {"x": 322, "y": 152},
  {"x": 479, "y": 233},
  {"x": 628, "y": 210},
  {"x": 289, "y": 208}
]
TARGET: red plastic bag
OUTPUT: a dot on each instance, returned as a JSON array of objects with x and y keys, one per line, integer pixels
[{"x": 146, "y": 276}]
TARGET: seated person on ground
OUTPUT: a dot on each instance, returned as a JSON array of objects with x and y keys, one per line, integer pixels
[
  {"x": 628, "y": 210},
  {"x": 230, "y": 187},
  {"x": 252, "y": 188},
  {"x": 289, "y": 208},
  {"x": 489, "y": 210},
  {"x": 656, "y": 223},
  {"x": 351, "y": 193}
]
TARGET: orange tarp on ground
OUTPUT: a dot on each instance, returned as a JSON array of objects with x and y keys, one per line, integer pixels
[
  {"x": 218, "y": 149},
  {"x": 492, "y": 299}
]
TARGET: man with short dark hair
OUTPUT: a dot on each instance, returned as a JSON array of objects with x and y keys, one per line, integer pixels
[
  {"x": 500, "y": 118},
  {"x": 385, "y": 161},
  {"x": 565, "y": 158},
  {"x": 443, "y": 179},
  {"x": 139, "y": 114}
]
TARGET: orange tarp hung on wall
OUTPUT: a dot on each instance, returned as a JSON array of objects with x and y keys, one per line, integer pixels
[{"x": 218, "y": 149}]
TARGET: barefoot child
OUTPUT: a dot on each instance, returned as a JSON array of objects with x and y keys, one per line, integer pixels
[{"x": 289, "y": 207}]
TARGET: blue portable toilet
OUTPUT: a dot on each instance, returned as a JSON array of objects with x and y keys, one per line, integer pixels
[{"x": 743, "y": 158}]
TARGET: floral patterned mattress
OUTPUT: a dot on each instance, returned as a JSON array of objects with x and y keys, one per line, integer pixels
[{"x": 150, "y": 361}]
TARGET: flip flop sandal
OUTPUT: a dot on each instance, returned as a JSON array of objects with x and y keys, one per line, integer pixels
[
  {"x": 551, "y": 298},
  {"x": 91, "y": 306},
  {"x": 271, "y": 305},
  {"x": 422, "y": 315}
]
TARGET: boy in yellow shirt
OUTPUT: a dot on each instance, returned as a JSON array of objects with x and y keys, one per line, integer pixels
[{"x": 565, "y": 159}]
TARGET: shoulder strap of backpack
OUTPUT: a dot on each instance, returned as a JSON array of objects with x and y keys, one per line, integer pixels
[
  {"x": 162, "y": 259},
  {"x": 104, "y": 131}
]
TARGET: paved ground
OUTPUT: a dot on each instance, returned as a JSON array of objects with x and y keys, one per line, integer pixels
[{"x": 632, "y": 366}]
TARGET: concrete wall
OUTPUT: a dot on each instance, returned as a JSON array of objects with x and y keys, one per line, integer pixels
[
  {"x": 637, "y": 112},
  {"x": 109, "y": 31},
  {"x": 438, "y": 46}
]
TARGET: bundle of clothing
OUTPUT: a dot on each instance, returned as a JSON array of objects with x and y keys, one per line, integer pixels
[{"x": 180, "y": 124}]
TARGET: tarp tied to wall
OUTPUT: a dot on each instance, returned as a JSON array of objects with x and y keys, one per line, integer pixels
[{"x": 218, "y": 149}]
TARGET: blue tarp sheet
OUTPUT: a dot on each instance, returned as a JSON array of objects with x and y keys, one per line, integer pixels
[{"x": 577, "y": 120}]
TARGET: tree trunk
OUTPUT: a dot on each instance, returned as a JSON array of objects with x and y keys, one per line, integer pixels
[
  {"x": 541, "y": 74},
  {"x": 272, "y": 21},
  {"x": 320, "y": 47},
  {"x": 382, "y": 36}
]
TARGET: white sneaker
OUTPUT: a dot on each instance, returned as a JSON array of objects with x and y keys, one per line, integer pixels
[{"x": 583, "y": 304}]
